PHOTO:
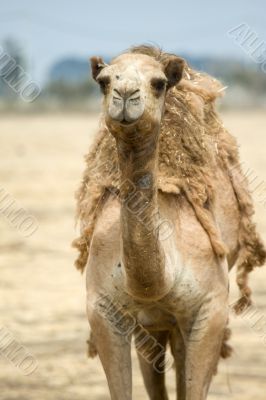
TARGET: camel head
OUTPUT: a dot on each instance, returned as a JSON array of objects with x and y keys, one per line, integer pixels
[{"x": 134, "y": 87}]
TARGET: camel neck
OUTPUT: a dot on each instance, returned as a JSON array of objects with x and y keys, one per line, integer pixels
[{"x": 142, "y": 253}]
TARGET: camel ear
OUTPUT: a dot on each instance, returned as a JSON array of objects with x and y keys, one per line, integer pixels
[
  {"x": 97, "y": 64},
  {"x": 173, "y": 69}
]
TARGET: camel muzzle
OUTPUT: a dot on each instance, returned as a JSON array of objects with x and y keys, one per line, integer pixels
[{"x": 127, "y": 106}]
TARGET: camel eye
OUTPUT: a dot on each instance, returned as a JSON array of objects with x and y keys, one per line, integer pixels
[
  {"x": 158, "y": 84},
  {"x": 103, "y": 83}
]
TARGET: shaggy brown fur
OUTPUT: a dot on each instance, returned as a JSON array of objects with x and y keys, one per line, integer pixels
[{"x": 193, "y": 144}]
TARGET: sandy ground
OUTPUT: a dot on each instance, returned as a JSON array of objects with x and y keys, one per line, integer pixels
[{"x": 42, "y": 296}]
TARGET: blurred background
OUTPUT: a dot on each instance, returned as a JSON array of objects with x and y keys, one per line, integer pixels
[
  {"x": 49, "y": 109},
  {"x": 52, "y": 42}
]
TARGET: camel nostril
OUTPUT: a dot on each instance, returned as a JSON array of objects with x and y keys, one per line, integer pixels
[
  {"x": 118, "y": 100},
  {"x": 133, "y": 93},
  {"x": 118, "y": 93}
]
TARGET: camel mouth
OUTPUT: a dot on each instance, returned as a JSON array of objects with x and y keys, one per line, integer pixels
[{"x": 124, "y": 122}]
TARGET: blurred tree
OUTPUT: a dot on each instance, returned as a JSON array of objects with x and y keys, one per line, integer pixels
[
  {"x": 12, "y": 82},
  {"x": 70, "y": 93}
]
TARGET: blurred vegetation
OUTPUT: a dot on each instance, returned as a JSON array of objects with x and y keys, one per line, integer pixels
[
  {"x": 16, "y": 56},
  {"x": 69, "y": 92}
]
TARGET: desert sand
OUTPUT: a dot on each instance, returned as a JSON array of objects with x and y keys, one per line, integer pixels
[{"x": 42, "y": 296}]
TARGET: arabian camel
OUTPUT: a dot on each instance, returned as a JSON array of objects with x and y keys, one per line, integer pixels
[{"x": 165, "y": 213}]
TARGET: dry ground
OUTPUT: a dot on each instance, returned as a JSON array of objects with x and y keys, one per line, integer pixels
[{"x": 42, "y": 296}]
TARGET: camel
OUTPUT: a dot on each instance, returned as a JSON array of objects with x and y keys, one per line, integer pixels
[{"x": 165, "y": 214}]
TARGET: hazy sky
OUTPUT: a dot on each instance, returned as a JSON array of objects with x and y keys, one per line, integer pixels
[{"x": 51, "y": 29}]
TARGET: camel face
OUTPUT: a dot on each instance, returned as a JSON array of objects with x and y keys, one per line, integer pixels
[{"x": 134, "y": 88}]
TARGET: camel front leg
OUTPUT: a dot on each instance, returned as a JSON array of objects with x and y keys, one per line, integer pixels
[
  {"x": 203, "y": 349},
  {"x": 154, "y": 373},
  {"x": 114, "y": 352},
  {"x": 179, "y": 353}
]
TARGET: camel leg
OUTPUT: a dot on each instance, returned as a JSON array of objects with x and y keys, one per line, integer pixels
[
  {"x": 179, "y": 354},
  {"x": 114, "y": 352},
  {"x": 153, "y": 373},
  {"x": 203, "y": 349}
]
